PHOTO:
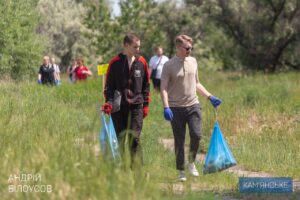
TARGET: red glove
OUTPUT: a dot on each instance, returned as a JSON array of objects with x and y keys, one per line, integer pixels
[
  {"x": 106, "y": 108},
  {"x": 145, "y": 111}
]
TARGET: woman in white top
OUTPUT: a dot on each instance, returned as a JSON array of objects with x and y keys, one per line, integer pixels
[
  {"x": 156, "y": 65},
  {"x": 56, "y": 71}
]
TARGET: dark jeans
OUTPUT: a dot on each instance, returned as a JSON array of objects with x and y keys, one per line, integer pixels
[
  {"x": 129, "y": 120},
  {"x": 156, "y": 83},
  {"x": 183, "y": 116}
]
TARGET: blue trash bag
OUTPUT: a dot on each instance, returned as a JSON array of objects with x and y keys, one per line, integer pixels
[
  {"x": 103, "y": 140},
  {"x": 108, "y": 139},
  {"x": 219, "y": 156}
]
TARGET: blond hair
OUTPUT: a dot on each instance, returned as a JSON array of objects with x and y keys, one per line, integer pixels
[
  {"x": 46, "y": 58},
  {"x": 180, "y": 39}
]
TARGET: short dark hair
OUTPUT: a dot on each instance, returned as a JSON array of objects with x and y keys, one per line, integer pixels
[
  {"x": 130, "y": 37},
  {"x": 156, "y": 48}
]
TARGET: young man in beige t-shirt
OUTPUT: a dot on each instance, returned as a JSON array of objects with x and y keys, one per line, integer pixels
[{"x": 179, "y": 87}]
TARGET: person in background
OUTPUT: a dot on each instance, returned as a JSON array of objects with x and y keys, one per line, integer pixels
[
  {"x": 128, "y": 74},
  {"x": 46, "y": 72},
  {"x": 56, "y": 72},
  {"x": 70, "y": 71},
  {"x": 179, "y": 87},
  {"x": 81, "y": 72},
  {"x": 156, "y": 65}
]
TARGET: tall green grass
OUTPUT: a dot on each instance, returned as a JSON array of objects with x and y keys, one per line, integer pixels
[{"x": 53, "y": 131}]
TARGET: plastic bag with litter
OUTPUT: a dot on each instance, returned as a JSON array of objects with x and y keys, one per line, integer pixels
[
  {"x": 108, "y": 139},
  {"x": 219, "y": 156}
]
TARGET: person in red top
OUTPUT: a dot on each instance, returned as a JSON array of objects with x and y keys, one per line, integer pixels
[
  {"x": 128, "y": 75},
  {"x": 81, "y": 71}
]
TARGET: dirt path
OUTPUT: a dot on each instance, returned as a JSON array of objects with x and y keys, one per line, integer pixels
[{"x": 178, "y": 188}]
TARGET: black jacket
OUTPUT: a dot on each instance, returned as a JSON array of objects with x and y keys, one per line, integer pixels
[
  {"x": 134, "y": 85},
  {"x": 47, "y": 74}
]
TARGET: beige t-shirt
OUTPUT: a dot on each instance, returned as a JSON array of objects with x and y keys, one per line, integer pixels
[{"x": 182, "y": 77}]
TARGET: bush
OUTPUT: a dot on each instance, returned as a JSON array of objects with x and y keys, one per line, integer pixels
[{"x": 21, "y": 48}]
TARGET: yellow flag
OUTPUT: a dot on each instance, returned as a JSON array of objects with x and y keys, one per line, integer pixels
[{"x": 102, "y": 69}]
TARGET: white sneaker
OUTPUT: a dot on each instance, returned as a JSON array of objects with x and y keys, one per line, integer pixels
[
  {"x": 193, "y": 170},
  {"x": 181, "y": 176}
]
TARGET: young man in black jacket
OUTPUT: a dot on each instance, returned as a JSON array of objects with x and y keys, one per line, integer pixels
[{"x": 128, "y": 74}]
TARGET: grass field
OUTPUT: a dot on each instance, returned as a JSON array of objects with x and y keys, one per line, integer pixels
[{"x": 52, "y": 132}]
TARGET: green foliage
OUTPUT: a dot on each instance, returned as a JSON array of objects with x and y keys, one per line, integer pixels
[
  {"x": 21, "y": 47},
  {"x": 173, "y": 20},
  {"x": 265, "y": 33},
  {"x": 63, "y": 31},
  {"x": 103, "y": 33},
  {"x": 142, "y": 17},
  {"x": 155, "y": 23},
  {"x": 255, "y": 35},
  {"x": 107, "y": 32}
]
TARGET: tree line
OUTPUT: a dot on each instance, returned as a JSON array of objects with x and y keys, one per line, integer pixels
[{"x": 260, "y": 35}]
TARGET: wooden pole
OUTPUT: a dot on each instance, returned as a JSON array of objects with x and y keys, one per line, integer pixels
[{"x": 103, "y": 86}]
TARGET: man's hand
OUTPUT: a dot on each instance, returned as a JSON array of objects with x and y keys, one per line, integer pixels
[
  {"x": 145, "y": 111},
  {"x": 215, "y": 101},
  {"x": 107, "y": 108},
  {"x": 168, "y": 114}
]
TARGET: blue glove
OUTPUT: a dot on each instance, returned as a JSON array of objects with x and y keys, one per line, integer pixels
[
  {"x": 39, "y": 81},
  {"x": 168, "y": 114},
  {"x": 215, "y": 101}
]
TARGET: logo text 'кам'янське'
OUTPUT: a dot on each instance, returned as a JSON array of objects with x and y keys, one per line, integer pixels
[{"x": 265, "y": 185}]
